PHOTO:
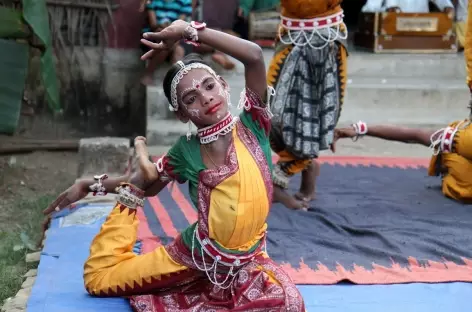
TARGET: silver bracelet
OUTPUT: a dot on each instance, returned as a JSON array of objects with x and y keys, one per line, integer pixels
[
  {"x": 190, "y": 33},
  {"x": 127, "y": 198},
  {"x": 98, "y": 188}
]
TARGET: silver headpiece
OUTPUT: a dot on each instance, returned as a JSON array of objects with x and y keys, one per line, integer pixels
[{"x": 184, "y": 70}]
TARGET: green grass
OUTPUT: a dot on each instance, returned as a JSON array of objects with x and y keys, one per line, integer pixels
[{"x": 26, "y": 218}]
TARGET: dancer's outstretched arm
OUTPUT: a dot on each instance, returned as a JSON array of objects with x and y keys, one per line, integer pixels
[
  {"x": 148, "y": 174},
  {"x": 391, "y": 133}
]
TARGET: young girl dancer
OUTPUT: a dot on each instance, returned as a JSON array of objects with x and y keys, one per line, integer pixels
[{"x": 219, "y": 263}]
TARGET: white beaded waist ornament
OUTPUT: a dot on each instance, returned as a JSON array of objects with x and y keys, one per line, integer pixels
[
  {"x": 232, "y": 262},
  {"x": 442, "y": 140},
  {"x": 301, "y": 32}
]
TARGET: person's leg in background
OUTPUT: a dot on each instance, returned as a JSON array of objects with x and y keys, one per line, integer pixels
[
  {"x": 307, "y": 190},
  {"x": 152, "y": 25},
  {"x": 286, "y": 167},
  {"x": 220, "y": 58},
  {"x": 148, "y": 76},
  {"x": 310, "y": 174},
  {"x": 241, "y": 26},
  {"x": 218, "y": 15}
]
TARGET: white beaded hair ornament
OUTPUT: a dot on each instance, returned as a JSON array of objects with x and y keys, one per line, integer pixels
[{"x": 184, "y": 70}]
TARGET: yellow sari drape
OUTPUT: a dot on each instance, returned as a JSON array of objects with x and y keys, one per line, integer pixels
[{"x": 468, "y": 47}]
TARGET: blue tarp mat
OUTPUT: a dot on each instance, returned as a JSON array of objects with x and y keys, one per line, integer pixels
[{"x": 59, "y": 285}]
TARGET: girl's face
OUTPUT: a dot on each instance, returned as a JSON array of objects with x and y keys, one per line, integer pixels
[{"x": 202, "y": 98}]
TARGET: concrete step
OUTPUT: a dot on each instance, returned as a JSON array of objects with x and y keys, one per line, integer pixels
[
  {"x": 364, "y": 64},
  {"x": 406, "y": 89},
  {"x": 440, "y": 66},
  {"x": 164, "y": 132},
  {"x": 409, "y": 102},
  {"x": 432, "y": 71},
  {"x": 405, "y": 101}
]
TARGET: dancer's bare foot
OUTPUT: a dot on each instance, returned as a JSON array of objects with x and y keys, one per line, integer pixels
[
  {"x": 281, "y": 196},
  {"x": 222, "y": 60},
  {"x": 307, "y": 190}
]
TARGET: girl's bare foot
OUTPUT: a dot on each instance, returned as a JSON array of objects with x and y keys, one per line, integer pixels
[
  {"x": 307, "y": 187},
  {"x": 281, "y": 196},
  {"x": 222, "y": 60}
]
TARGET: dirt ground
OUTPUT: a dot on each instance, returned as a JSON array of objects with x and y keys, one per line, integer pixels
[
  {"x": 29, "y": 176},
  {"x": 28, "y": 183}
]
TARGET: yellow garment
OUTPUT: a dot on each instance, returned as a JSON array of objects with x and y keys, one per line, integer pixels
[
  {"x": 457, "y": 182},
  {"x": 342, "y": 74},
  {"x": 112, "y": 267},
  {"x": 305, "y": 9},
  {"x": 239, "y": 205},
  {"x": 460, "y": 29},
  {"x": 290, "y": 164},
  {"x": 468, "y": 47}
]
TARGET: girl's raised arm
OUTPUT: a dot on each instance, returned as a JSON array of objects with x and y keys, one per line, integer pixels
[{"x": 247, "y": 52}]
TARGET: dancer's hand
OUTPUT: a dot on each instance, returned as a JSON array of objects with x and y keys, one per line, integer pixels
[
  {"x": 342, "y": 133},
  {"x": 164, "y": 39},
  {"x": 143, "y": 171},
  {"x": 67, "y": 198}
]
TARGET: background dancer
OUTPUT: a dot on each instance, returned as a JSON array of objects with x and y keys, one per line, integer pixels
[
  {"x": 219, "y": 262},
  {"x": 308, "y": 72},
  {"x": 451, "y": 146}
]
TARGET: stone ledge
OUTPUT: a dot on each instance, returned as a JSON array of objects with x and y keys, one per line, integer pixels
[
  {"x": 19, "y": 301},
  {"x": 33, "y": 257},
  {"x": 103, "y": 155}
]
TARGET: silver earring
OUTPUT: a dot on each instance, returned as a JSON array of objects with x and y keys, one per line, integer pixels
[
  {"x": 189, "y": 132},
  {"x": 228, "y": 98}
]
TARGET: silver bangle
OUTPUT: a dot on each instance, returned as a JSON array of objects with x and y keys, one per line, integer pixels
[
  {"x": 190, "y": 34},
  {"x": 128, "y": 199},
  {"x": 98, "y": 188}
]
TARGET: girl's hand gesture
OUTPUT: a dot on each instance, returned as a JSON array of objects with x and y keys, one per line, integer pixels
[
  {"x": 164, "y": 39},
  {"x": 143, "y": 171},
  {"x": 70, "y": 196}
]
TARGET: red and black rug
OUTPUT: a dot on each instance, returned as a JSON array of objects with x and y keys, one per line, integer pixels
[{"x": 375, "y": 221}]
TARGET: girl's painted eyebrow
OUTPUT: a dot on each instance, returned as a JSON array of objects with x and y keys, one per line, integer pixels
[{"x": 191, "y": 89}]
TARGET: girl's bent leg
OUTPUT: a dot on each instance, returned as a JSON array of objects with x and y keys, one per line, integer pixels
[
  {"x": 261, "y": 285},
  {"x": 112, "y": 268}
]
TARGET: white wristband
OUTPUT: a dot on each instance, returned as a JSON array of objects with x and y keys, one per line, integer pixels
[{"x": 361, "y": 129}]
